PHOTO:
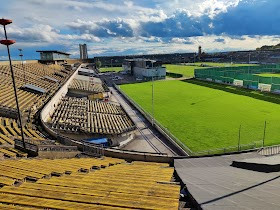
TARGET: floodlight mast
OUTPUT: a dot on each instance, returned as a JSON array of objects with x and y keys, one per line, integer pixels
[
  {"x": 21, "y": 55},
  {"x": 8, "y": 42}
]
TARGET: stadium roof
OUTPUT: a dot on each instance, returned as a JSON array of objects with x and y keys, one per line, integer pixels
[
  {"x": 53, "y": 51},
  {"x": 215, "y": 184},
  {"x": 34, "y": 88}
]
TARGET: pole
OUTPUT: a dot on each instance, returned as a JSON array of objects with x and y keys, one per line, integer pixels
[
  {"x": 239, "y": 137},
  {"x": 15, "y": 90},
  {"x": 21, "y": 55},
  {"x": 264, "y": 133},
  {"x": 153, "y": 116}
]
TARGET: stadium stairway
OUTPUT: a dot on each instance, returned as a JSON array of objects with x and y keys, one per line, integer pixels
[{"x": 87, "y": 183}]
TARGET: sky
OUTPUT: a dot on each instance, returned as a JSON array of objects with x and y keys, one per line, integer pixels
[{"x": 123, "y": 27}]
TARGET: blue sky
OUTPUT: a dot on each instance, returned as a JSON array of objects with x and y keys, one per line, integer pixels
[{"x": 116, "y": 27}]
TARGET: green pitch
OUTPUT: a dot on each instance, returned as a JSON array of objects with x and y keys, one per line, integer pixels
[
  {"x": 116, "y": 69},
  {"x": 188, "y": 71},
  {"x": 205, "y": 118}
]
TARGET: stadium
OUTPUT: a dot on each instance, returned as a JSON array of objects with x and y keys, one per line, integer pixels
[{"x": 161, "y": 132}]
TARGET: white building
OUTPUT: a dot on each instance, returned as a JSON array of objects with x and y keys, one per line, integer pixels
[{"x": 145, "y": 69}]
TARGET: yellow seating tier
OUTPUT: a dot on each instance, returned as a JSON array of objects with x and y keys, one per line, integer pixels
[{"x": 115, "y": 185}]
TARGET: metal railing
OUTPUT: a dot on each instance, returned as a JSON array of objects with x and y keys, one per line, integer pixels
[
  {"x": 268, "y": 151},
  {"x": 231, "y": 149}
]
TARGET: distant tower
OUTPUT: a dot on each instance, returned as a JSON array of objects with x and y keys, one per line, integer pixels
[
  {"x": 83, "y": 51},
  {"x": 199, "y": 52}
]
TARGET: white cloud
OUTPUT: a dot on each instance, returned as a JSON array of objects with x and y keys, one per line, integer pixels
[
  {"x": 3, "y": 57},
  {"x": 215, "y": 7},
  {"x": 139, "y": 45},
  {"x": 179, "y": 40},
  {"x": 97, "y": 22}
]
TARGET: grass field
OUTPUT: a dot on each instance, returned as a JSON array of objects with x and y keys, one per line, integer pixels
[
  {"x": 268, "y": 75},
  {"x": 205, "y": 118},
  {"x": 116, "y": 69},
  {"x": 188, "y": 71}
]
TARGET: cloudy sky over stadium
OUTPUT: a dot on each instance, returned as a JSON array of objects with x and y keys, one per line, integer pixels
[{"x": 115, "y": 27}]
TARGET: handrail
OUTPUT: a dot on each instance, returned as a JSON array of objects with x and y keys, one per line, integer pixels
[{"x": 268, "y": 151}]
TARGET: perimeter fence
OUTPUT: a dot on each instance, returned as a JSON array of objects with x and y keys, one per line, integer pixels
[{"x": 252, "y": 77}]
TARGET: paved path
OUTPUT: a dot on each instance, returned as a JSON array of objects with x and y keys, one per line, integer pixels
[{"x": 147, "y": 138}]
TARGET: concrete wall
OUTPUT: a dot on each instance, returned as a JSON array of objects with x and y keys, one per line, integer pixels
[
  {"x": 151, "y": 72},
  {"x": 57, "y": 154},
  {"x": 58, "y": 56},
  {"x": 136, "y": 156}
]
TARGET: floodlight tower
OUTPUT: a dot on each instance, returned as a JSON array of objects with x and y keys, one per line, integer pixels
[
  {"x": 8, "y": 42},
  {"x": 21, "y": 55}
]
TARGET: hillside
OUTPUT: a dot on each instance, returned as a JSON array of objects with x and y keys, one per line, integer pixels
[{"x": 269, "y": 47}]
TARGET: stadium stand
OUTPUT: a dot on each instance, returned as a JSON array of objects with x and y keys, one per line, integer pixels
[
  {"x": 9, "y": 131},
  {"x": 84, "y": 85},
  {"x": 33, "y": 76},
  {"x": 81, "y": 114},
  {"x": 87, "y": 183}
]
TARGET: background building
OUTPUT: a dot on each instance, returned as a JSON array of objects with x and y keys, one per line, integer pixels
[
  {"x": 53, "y": 56},
  {"x": 145, "y": 69},
  {"x": 83, "y": 51},
  {"x": 199, "y": 53}
]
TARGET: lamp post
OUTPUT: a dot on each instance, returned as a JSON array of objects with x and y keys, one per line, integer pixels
[
  {"x": 153, "y": 94},
  {"x": 21, "y": 55},
  {"x": 153, "y": 116},
  {"x": 8, "y": 42}
]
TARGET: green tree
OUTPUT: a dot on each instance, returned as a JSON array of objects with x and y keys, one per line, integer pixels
[{"x": 98, "y": 64}]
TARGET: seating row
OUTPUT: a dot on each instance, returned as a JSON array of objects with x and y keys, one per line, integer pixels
[
  {"x": 9, "y": 130},
  {"x": 89, "y": 86},
  {"x": 81, "y": 114},
  {"x": 88, "y": 183},
  {"x": 39, "y": 75}
]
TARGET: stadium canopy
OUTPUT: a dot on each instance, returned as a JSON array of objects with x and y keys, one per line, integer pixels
[
  {"x": 33, "y": 88},
  {"x": 53, "y": 51}
]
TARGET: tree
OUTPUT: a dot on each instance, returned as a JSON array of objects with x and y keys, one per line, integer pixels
[{"x": 98, "y": 64}]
